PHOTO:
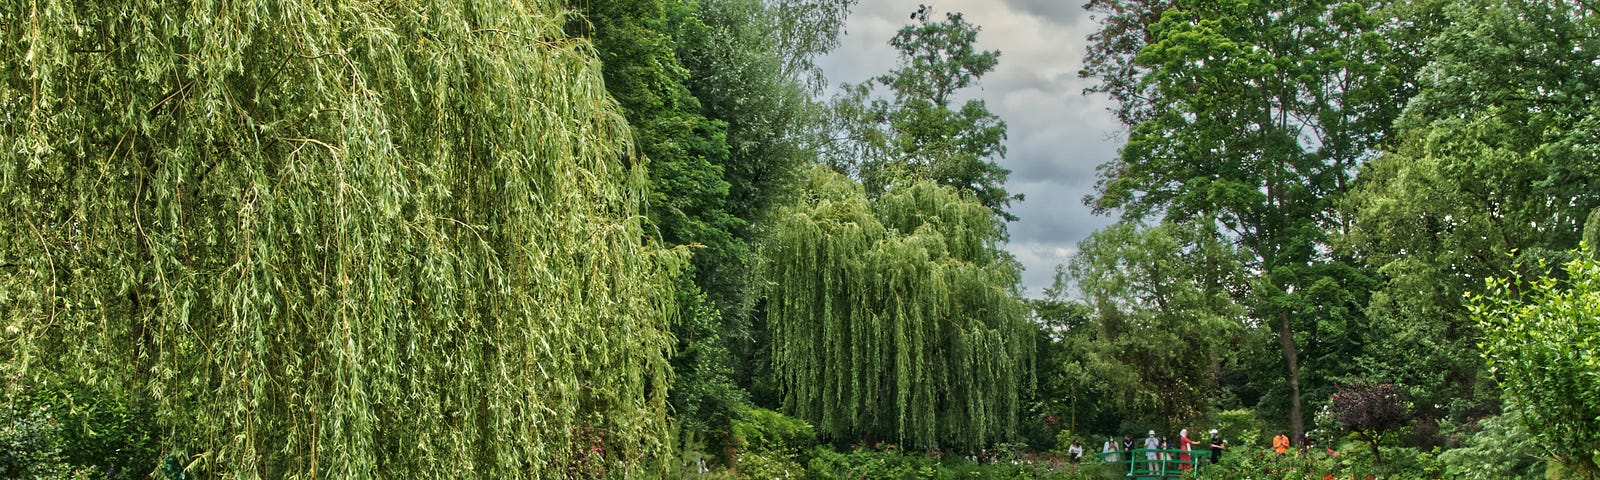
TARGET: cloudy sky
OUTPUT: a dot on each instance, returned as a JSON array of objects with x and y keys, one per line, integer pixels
[{"x": 1057, "y": 134}]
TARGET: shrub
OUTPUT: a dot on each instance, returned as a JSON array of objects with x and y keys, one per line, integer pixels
[
  {"x": 30, "y": 444},
  {"x": 1370, "y": 410},
  {"x": 1502, "y": 450},
  {"x": 767, "y": 444},
  {"x": 59, "y": 427},
  {"x": 1541, "y": 340},
  {"x": 1239, "y": 427}
]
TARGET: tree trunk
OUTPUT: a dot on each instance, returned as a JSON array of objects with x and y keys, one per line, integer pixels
[
  {"x": 1291, "y": 357},
  {"x": 1372, "y": 444}
]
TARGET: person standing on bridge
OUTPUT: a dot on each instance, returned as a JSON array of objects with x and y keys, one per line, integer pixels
[
  {"x": 1151, "y": 446},
  {"x": 1185, "y": 445},
  {"x": 1217, "y": 445},
  {"x": 1109, "y": 450}
]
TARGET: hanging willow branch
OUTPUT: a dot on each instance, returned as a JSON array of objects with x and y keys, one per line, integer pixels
[
  {"x": 377, "y": 240},
  {"x": 896, "y": 320}
]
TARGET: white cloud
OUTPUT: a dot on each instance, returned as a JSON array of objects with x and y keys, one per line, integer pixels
[{"x": 1057, "y": 134}]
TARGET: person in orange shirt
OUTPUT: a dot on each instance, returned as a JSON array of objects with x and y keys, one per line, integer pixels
[{"x": 1280, "y": 443}]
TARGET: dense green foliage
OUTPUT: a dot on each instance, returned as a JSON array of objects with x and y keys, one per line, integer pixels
[
  {"x": 640, "y": 238},
  {"x": 896, "y": 319},
  {"x": 369, "y": 241},
  {"x": 1253, "y": 117},
  {"x": 1164, "y": 319},
  {"x": 685, "y": 152},
  {"x": 1502, "y": 449},
  {"x": 868, "y": 463},
  {"x": 1494, "y": 168},
  {"x": 1369, "y": 165},
  {"x": 67, "y": 425}
]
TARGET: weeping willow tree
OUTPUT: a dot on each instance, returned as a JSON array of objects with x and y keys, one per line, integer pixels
[
  {"x": 896, "y": 319},
  {"x": 373, "y": 240}
]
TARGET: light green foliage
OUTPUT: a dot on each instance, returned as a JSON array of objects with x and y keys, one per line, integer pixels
[
  {"x": 806, "y": 30},
  {"x": 770, "y": 444},
  {"x": 1503, "y": 449},
  {"x": 1351, "y": 462},
  {"x": 1163, "y": 317},
  {"x": 1240, "y": 428},
  {"x": 1542, "y": 343},
  {"x": 396, "y": 240},
  {"x": 916, "y": 132},
  {"x": 896, "y": 319}
]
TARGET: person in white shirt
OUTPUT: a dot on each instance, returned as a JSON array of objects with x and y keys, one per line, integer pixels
[{"x": 1075, "y": 452}]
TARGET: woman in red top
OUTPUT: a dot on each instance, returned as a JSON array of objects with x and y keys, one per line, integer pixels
[{"x": 1185, "y": 444}]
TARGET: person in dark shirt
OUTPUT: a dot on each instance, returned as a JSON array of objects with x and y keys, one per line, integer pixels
[{"x": 1217, "y": 445}]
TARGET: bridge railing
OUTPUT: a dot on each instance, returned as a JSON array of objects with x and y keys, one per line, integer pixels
[{"x": 1167, "y": 462}]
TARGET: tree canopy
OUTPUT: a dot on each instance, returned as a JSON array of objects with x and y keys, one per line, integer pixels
[
  {"x": 354, "y": 241},
  {"x": 896, "y": 318}
]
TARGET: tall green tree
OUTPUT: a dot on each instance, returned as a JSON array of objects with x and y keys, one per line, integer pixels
[
  {"x": 749, "y": 69},
  {"x": 688, "y": 205},
  {"x": 350, "y": 242},
  {"x": 1253, "y": 116},
  {"x": 1163, "y": 316},
  {"x": 917, "y": 132},
  {"x": 1494, "y": 173},
  {"x": 896, "y": 318}
]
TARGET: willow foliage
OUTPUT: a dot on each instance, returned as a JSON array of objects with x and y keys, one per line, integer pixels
[
  {"x": 393, "y": 239},
  {"x": 896, "y": 319}
]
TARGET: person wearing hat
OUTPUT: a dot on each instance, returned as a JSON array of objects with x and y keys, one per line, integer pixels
[
  {"x": 1217, "y": 445},
  {"x": 1151, "y": 445},
  {"x": 1184, "y": 445}
]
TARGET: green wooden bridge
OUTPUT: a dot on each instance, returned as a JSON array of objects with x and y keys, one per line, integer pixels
[{"x": 1167, "y": 464}]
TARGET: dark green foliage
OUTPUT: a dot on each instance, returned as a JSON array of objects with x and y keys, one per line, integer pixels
[
  {"x": 1162, "y": 318},
  {"x": 826, "y": 464},
  {"x": 750, "y": 70},
  {"x": 737, "y": 71},
  {"x": 115, "y": 437},
  {"x": 1493, "y": 172},
  {"x": 685, "y": 152},
  {"x": 30, "y": 443}
]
